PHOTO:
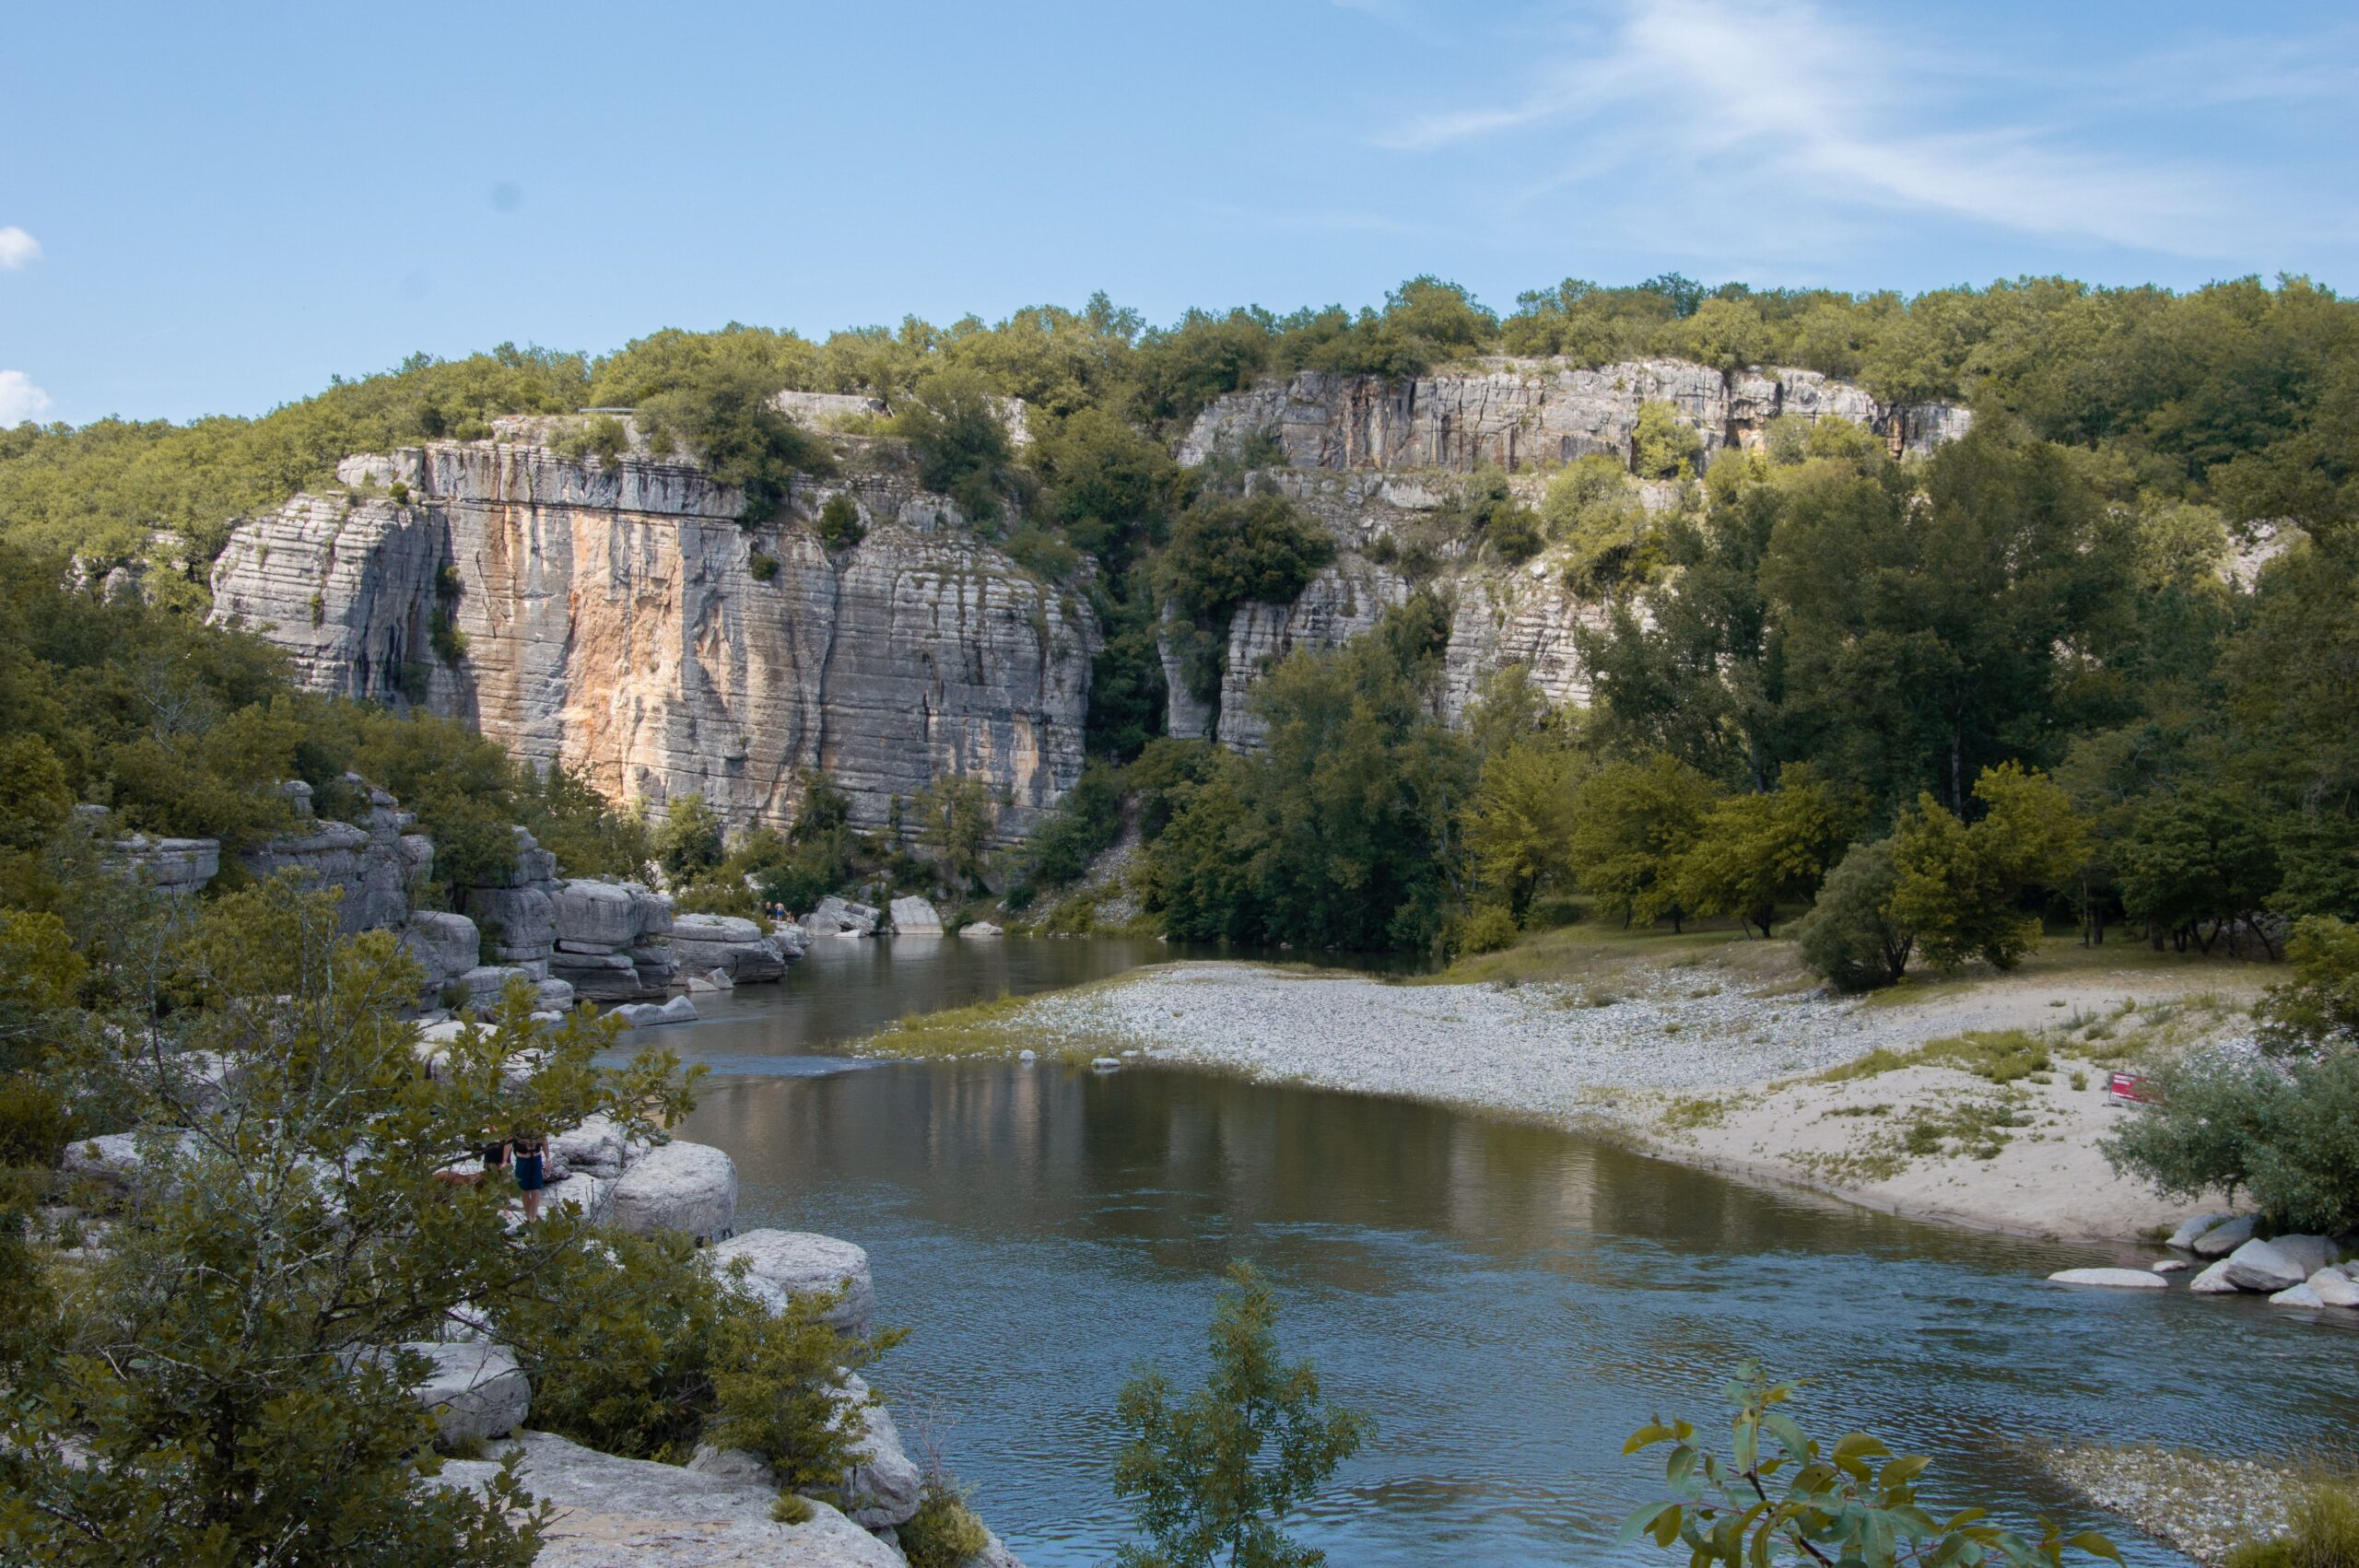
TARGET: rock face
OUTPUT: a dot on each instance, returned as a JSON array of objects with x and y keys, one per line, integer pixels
[
  {"x": 680, "y": 1186},
  {"x": 836, "y": 916},
  {"x": 784, "y": 1263},
  {"x": 1522, "y": 412},
  {"x": 618, "y": 619},
  {"x": 475, "y": 1389},
  {"x": 373, "y": 867},
  {"x": 614, "y": 1511},
  {"x": 1369, "y": 459},
  {"x": 884, "y": 1488},
  {"x": 913, "y": 915},
  {"x": 609, "y": 939}
]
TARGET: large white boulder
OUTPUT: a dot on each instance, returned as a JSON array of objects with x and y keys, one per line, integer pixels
[
  {"x": 913, "y": 915},
  {"x": 885, "y": 1487},
  {"x": 837, "y": 915},
  {"x": 2190, "y": 1229},
  {"x": 118, "y": 1159},
  {"x": 2213, "y": 1282},
  {"x": 614, "y": 1511},
  {"x": 594, "y": 1147},
  {"x": 784, "y": 1263},
  {"x": 2116, "y": 1279},
  {"x": 2279, "y": 1263},
  {"x": 473, "y": 1388},
  {"x": 2226, "y": 1237},
  {"x": 2297, "y": 1295},
  {"x": 648, "y": 1014},
  {"x": 2335, "y": 1287},
  {"x": 594, "y": 1195},
  {"x": 595, "y": 917},
  {"x": 679, "y": 1187}
]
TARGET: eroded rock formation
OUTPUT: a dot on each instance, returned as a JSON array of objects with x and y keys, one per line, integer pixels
[{"x": 617, "y": 619}]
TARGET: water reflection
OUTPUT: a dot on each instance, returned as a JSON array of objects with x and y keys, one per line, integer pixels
[{"x": 1508, "y": 1301}]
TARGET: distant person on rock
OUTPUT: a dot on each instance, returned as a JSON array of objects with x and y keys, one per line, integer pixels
[{"x": 529, "y": 1148}]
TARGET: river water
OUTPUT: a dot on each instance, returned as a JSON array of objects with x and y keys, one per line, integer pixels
[{"x": 1509, "y": 1302}]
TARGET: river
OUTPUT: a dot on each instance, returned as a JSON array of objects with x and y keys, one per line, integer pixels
[{"x": 1507, "y": 1301}]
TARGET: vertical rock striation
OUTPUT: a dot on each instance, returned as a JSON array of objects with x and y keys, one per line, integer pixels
[{"x": 617, "y": 619}]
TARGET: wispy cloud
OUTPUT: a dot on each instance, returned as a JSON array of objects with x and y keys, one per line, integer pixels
[
  {"x": 1795, "y": 110},
  {"x": 19, "y": 399},
  {"x": 16, "y": 248}
]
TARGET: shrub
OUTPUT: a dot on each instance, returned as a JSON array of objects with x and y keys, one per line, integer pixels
[
  {"x": 442, "y": 633},
  {"x": 778, "y": 1388},
  {"x": 839, "y": 527},
  {"x": 1851, "y": 937},
  {"x": 2325, "y": 1534},
  {"x": 1488, "y": 929},
  {"x": 689, "y": 842},
  {"x": 944, "y": 1532},
  {"x": 722, "y": 411},
  {"x": 1209, "y": 1476},
  {"x": 762, "y": 566},
  {"x": 1661, "y": 446},
  {"x": 400, "y": 493},
  {"x": 34, "y": 1123},
  {"x": 960, "y": 441},
  {"x": 1256, "y": 549}
]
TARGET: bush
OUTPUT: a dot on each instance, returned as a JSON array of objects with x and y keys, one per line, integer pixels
[
  {"x": 2324, "y": 1533},
  {"x": 778, "y": 1388},
  {"x": 722, "y": 411},
  {"x": 34, "y": 1123},
  {"x": 689, "y": 842},
  {"x": 955, "y": 427},
  {"x": 1488, "y": 929},
  {"x": 761, "y": 566},
  {"x": 1257, "y": 549},
  {"x": 944, "y": 1532},
  {"x": 1851, "y": 937},
  {"x": 1088, "y": 819},
  {"x": 1662, "y": 446},
  {"x": 839, "y": 527}
]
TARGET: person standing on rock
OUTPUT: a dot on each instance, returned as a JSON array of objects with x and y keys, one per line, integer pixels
[{"x": 529, "y": 1148}]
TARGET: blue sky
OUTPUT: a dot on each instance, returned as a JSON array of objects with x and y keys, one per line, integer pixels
[{"x": 212, "y": 209}]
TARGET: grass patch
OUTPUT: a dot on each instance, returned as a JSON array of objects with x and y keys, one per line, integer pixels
[
  {"x": 1594, "y": 954},
  {"x": 1979, "y": 1128},
  {"x": 1857, "y": 1167},
  {"x": 1881, "y": 1107},
  {"x": 2323, "y": 1533},
  {"x": 999, "y": 1028},
  {"x": 1690, "y": 1112},
  {"x": 1996, "y": 1056}
]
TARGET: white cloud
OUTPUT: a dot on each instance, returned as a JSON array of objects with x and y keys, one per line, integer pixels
[
  {"x": 19, "y": 399},
  {"x": 1805, "y": 116},
  {"x": 16, "y": 248}
]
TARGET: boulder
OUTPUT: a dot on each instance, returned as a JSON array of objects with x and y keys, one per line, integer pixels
[
  {"x": 594, "y": 1147},
  {"x": 884, "y": 1488},
  {"x": 2167, "y": 1265},
  {"x": 116, "y": 1158},
  {"x": 913, "y": 915},
  {"x": 737, "y": 947},
  {"x": 484, "y": 985},
  {"x": 784, "y": 1263},
  {"x": 2224, "y": 1238},
  {"x": 615, "y": 1511},
  {"x": 993, "y": 1555},
  {"x": 732, "y": 1463},
  {"x": 595, "y": 917},
  {"x": 2117, "y": 1278},
  {"x": 979, "y": 928},
  {"x": 594, "y": 1194},
  {"x": 2213, "y": 1282},
  {"x": 679, "y": 1187},
  {"x": 519, "y": 923},
  {"x": 791, "y": 939},
  {"x": 2335, "y": 1287},
  {"x": 2278, "y": 1264},
  {"x": 837, "y": 915},
  {"x": 445, "y": 945},
  {"x": 473, "y": 1388},
  {"x": 555, "y": 996},
  {"x": 596, "y": 976},
  {"x": 2297, "y": 1295},
  {"x": 2185, "y": 1235},
  {"x": 647, "y": 1014}
]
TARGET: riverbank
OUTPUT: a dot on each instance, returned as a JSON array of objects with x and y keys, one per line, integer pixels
[{"x": 1978, "y": 1100}]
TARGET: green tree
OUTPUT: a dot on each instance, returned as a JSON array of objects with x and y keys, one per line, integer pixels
[
  {"x": 689, "y": 840},
  {"x": 1851, "y": 938},
  {"x": 839, "y": 527},
  {"x": 1961, "y": 888},
  {"x": 955, "y": 428},
  {"x": 1211, "y": 1476},
  {"x": 1780, "y": 1495},
  {"x": 954, "y": 817},
  {"x": 1519, "y": 823},
  {"x": 722, "y": 411},
  {"x": 1661, "y": 446},
  {"x": 2200, "y": 858},
  {"x": 1632, "y": 823},
  {"x": 1752, "y": 852}
]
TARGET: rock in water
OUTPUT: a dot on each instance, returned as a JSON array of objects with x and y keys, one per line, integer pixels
[
  {"x": 475, "y": 1388},
  {"x": 2279, "y": 1264},
  {"x": 2118, "y": 1278},
  {"x": 2185, "y": 1235},
  {"x": 2224, "y": 1238},
  {"x": 2167, "y": 1265},
  {"x": 978, "y": 928},
  {"x": 2297, "y": 1295},
  {"x": 913, "y": 915},
  {"x": 2335, "y": 1287},
  {"x": 784, "y": 1263},
  {"x": 2213, "y": 1282},
  {"x": 737, "y": 947},
  {"x": 612, "y": 1511},
  {"x": 680, "y": 1186},
  {"x": 884, "y": 1488}
]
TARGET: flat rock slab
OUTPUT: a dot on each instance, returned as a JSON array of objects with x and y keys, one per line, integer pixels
[
  {"x": 2190, "y": 1229},
  {"x": 2115, "y": 1278},
  {"x": 2224, "y": 1238},
  {"x": 2213, "y": 1282},
  {"x": 475, "y": 1389},
  {"x": 612, "y": 1511},
  {"x": 784, "y": 1263},
  {"x": 679, "y": 1187}
]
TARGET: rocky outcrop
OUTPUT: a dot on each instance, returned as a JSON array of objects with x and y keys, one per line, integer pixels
[
  {"x": 473, "y": 1389},
  {"x": 914, "y": 916},
  {"x": 1521, "y": 414},
  {"x": 610, "y": 938},
  {"x": 617, "y": 618},
  {"x": 679, "y": 1187},
  {"x": 778, "y": 1264},
  {"x": 611, "y": 1510},
  {"x": 838, "y": 916},
  {"x": 737, "y": 947}
]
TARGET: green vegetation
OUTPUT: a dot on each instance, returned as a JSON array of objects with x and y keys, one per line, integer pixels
[
  {"x": 944, "y": 1532},
  {"x": 1780, "y": 1495},
  {"x": 1210, "y": 1477},
  {"x": 2324, "y": 1532},
  {"x": 2279, "y": 1128}
]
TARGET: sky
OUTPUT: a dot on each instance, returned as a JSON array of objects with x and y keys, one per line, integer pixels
[{"x": 215, "y": 209}]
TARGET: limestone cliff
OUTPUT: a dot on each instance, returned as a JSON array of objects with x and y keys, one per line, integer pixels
[
  {"x": 615, "y": 618},
  {"x": 1369, "y": 459}
]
